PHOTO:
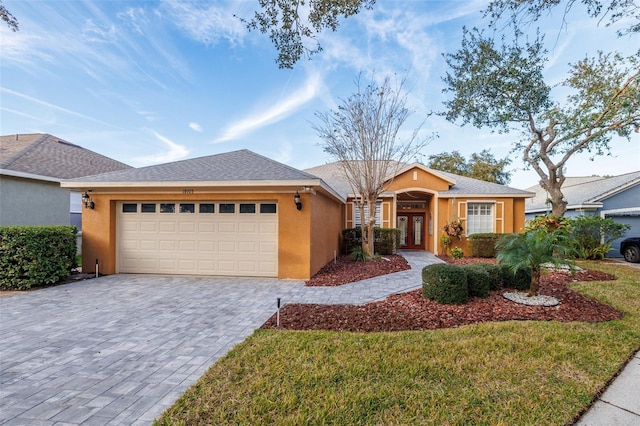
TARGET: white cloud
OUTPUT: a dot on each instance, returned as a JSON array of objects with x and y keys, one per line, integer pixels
[
  {"x": 175, "y": 152},
  {"x": 205, "y": 23},
  {"x": 196, "y": 127},
  {"x": 276, "y": 113},
  {"x": 54, "y": 107}
]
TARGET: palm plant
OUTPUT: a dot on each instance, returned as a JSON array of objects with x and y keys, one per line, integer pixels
[{"x": 532, "y": 250}]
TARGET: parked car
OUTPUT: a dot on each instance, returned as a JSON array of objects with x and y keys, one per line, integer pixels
[{"x": 630, "y": 249}]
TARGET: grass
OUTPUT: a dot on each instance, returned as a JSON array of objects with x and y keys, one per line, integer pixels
[{"x": 517, "y": 372}]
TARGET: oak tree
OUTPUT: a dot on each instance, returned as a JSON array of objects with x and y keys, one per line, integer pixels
[
  {"x": 483, "y": 166},
  {"x": 503, "y": 88}
]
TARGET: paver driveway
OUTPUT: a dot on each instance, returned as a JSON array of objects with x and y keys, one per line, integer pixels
[{"x": 120, "y": 349}]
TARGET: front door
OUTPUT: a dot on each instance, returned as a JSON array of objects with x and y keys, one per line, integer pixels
[{"x": 411, "y": 227}]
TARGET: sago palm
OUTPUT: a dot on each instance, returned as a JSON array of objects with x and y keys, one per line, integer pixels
[{"x": 534, "y": 249}]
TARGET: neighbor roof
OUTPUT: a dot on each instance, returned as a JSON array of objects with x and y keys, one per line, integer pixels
[
  {"x": 584, "y": 192},
  {"x": 49, "y": 156},
  {"x": 459, "y": 185}
]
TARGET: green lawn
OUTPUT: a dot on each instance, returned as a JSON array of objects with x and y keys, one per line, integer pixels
[{"x": 517, "y": 372}]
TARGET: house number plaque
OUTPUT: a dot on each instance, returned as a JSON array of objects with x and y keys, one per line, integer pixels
[{"x": 187, "y": 191}]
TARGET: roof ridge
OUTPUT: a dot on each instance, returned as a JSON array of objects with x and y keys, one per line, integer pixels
[{"x": 28, "y": 149}]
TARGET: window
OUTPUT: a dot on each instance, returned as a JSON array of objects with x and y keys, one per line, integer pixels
[
  {"x": 268, "y": 208},
  {"x": 130, "y": 208},
  {"x": 147, "y": 208},
  {"x": 479, "y": 218},
  {"x": 247, "y": 208},
  {"x": 187, "y": 208},
  {"x": 167, "y": 208},
  {"x": 227, "y": 208},
  {"x": 207, "y": 208},
  {"x": 356, "y": 212}
]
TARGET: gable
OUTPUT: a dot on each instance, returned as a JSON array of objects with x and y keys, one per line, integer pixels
[{"x": 420, "y": 177}]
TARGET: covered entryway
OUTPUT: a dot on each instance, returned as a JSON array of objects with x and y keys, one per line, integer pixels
[
  {"x": 411, "y": 218},
  {"x": 198, "y": 238}
]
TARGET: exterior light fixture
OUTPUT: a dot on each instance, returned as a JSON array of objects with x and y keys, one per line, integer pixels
[
  {"x": 296, "y": 199},
  {"x": 86, "y": 200}
]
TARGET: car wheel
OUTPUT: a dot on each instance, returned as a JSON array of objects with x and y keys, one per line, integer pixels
[{"x": 632, "y": 254}]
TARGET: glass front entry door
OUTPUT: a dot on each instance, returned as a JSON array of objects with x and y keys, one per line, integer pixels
[{"x": 411, "y": 227}]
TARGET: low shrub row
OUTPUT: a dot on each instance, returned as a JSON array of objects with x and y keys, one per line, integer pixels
[
  {"x": 455, "y": 284},
  {"x": 36, "y": 255},
  {"x": 386, "y": 240}
]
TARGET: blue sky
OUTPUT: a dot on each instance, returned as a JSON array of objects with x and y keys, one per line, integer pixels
[{"x": 147, "y": 82}]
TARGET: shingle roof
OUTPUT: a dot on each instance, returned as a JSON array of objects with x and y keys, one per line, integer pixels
[
  {"x": 584, "y": 191},
  {"x": 236, "y": 166},
  {"x": 469, "y": 186},
  {"x": 47, "y": 155},
  {"x": 332, "y": 174}
]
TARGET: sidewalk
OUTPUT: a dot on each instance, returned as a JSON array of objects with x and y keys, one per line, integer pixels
[{"x": 619, "y": 405}]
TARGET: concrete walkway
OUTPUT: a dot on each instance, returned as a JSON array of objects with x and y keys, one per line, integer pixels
[{"x": 121, "y": 349}]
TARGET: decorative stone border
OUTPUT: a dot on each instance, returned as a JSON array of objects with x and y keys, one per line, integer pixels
[{"x": 538, "y": 300}]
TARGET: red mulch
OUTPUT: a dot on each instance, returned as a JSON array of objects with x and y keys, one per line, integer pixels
[
  {"x": 344, "y": 270},
  {"x": 411, "y": 311}
]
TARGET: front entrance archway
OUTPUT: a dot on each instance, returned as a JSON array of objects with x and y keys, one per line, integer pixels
[{"x": 411, "y": 227}]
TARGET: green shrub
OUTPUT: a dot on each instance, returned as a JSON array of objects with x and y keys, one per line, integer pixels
[
  {"x": 445, "y": 283},
  {"x": 477, "y": 280},
  {"x": 457, "y": 253},
  {"x": 386, "y": 240},
  {"x": 484, "y": 244},
  {"x": 495, "y": 275},
  {"x": 358, "y": 255},
  {"x": 520, "y": 280},
  {"x": 36, "y": 255},
  {"x": 592, "y": 236}
]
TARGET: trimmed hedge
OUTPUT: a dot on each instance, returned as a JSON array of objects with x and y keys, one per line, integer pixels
[
  {"x": 520, "y": 280},
  {"x": 477, "y": 280},
  {"x": 484, "y": 244},
  {"x": 36, "y": 255},
  {"x": 386, "y": 240},
  {"x": 495, "y": 275},
  {"x": 445, "y": 283}
]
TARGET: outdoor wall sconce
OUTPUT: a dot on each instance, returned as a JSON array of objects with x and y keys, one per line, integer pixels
[
  {"x": 86, "y": 200},
  {"x": 296, "y": 199}
]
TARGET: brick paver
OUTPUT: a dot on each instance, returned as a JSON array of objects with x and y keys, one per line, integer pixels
[{"x": 122, "y": 348}]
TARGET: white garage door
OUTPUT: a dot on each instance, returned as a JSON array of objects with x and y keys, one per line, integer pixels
[{"x": 198, "y": 238}]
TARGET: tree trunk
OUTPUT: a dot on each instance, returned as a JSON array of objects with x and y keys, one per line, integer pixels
[
  {"x": 370, "y": 225},
  {"x": 553, "y": 185},
  {"x": 535, "y": 282}
]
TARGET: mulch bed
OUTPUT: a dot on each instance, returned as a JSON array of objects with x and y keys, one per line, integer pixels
[
  {"x": 411, "y": 311},
  {"x": 344, "y": 270}
]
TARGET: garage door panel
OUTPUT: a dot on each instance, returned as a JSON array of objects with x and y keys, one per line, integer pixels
[
  {"x": 210, "y": 243},
  {"x": 227, "y": 227}
]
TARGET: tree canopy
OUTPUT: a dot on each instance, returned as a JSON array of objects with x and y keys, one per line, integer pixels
[
  {"x": 293, "y": 25},
  {"x": 7, "y": 17},
  {"x": 503, "y": 88},
  {"x": 521, "y": 11},
  {"x": 481, "y": 166}
]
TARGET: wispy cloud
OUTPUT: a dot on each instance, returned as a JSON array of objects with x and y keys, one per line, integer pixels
[
  {"x": 206, "y": 23},
  {"x": 175, "y": 152},
  {"x": 196, "y": 127},
  {"x": 276, "y": 113},
  {"x": 54, "y": 107}
]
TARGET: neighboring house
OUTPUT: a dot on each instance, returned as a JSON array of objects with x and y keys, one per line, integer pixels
[
  {"x": 617, "y": 197},
  {"x": 236, "y": 214},
  {"x": 31, "y": 168}
]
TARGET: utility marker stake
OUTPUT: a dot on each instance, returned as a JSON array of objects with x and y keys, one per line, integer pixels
[{"x": 278, "y": 314}]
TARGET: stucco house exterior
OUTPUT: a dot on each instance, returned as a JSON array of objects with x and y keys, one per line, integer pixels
[
  {"x": 616, "y": 197},
  {"x": 242, "y": 214},
  {"x": 31, "y": 169}
]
